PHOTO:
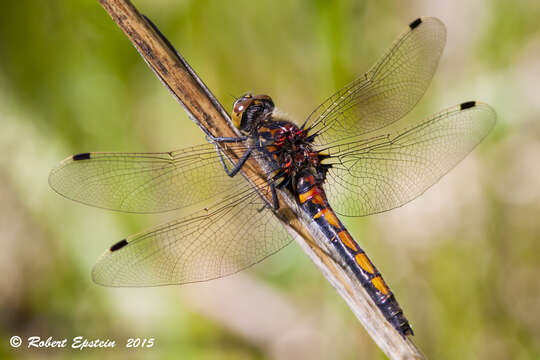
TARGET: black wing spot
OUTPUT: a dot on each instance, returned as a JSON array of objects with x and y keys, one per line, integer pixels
[
  {"x": 415, "y": 23},
  {"x": 83, "y": 156},
  {"x": 118, "y": 245},
  {"x": 467, "y": 105}
]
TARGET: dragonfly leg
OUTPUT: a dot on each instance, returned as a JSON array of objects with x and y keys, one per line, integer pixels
[
  {"x": 285, "y": 182},
  {"x": 225, "y": 139},
  {"x": 237, "y": 166},
  {"x": 275, "y": 201}
]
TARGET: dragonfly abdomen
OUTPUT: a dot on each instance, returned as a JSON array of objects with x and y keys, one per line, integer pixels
[{"x": 313, "y": 200}]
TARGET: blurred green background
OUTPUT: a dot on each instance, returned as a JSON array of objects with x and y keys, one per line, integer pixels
[{"x": 462, "y": 259}]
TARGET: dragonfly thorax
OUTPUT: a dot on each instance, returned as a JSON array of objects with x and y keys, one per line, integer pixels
[
  {"x": 284, "y": 144},
  {"x": 289, "y": 149}
]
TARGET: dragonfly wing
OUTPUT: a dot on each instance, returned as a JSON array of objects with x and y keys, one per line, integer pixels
[
  {"x": 209, "y": 244},
  {"x": 376, "y": 174},
  {"x": 144, "y": 182},
  {"x": 388, "y": 91}
]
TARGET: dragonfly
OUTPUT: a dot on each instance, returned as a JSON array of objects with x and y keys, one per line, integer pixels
[{"x": 353, "y": 156}]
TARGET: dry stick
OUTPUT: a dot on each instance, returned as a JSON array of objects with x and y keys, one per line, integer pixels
[{"x": 209, "y": 115}]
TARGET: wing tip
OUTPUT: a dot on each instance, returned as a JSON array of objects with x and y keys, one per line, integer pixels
[
  {"x": 81, "y": 156},
  {"x": 428, "y": 21},
  {"x": 413, "y": 25},
  {"x": 467, "y": 105},
  {"x": 118, "y": 245},
  {"x": 98, "y": 275}
]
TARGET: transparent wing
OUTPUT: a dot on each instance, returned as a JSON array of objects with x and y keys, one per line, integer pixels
[
  {"x": 209, "y": 244},
  {"x": 144, "y": 182},
  {"x": 372, "y": 175},
  {"x": 388, "y": 91}
]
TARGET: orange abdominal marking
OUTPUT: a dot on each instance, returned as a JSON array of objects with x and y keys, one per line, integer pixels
[
  {"x": 329, "y": 216},
  {"x": 379, "y": 284},
  {"x": 332, "y": 219},
  {"x": 305, "y": 196},
  {"x": 313, "y": 192},
  {"x": 318, "y": 199},
  {"x": 319, "y": 214},
  {"x": 363, "y": 261},
  {"x": 323, "y": 212},
  {"x": 348, "y": 241}
]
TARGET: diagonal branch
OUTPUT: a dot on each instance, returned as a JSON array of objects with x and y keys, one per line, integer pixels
[{"x": 203, "y": 108}]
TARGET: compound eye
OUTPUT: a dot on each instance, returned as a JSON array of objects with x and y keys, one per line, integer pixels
[{"x": 239, "y": 107}]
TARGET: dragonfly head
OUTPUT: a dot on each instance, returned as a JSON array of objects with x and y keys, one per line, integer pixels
[{"x": 250, "y": 109}]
